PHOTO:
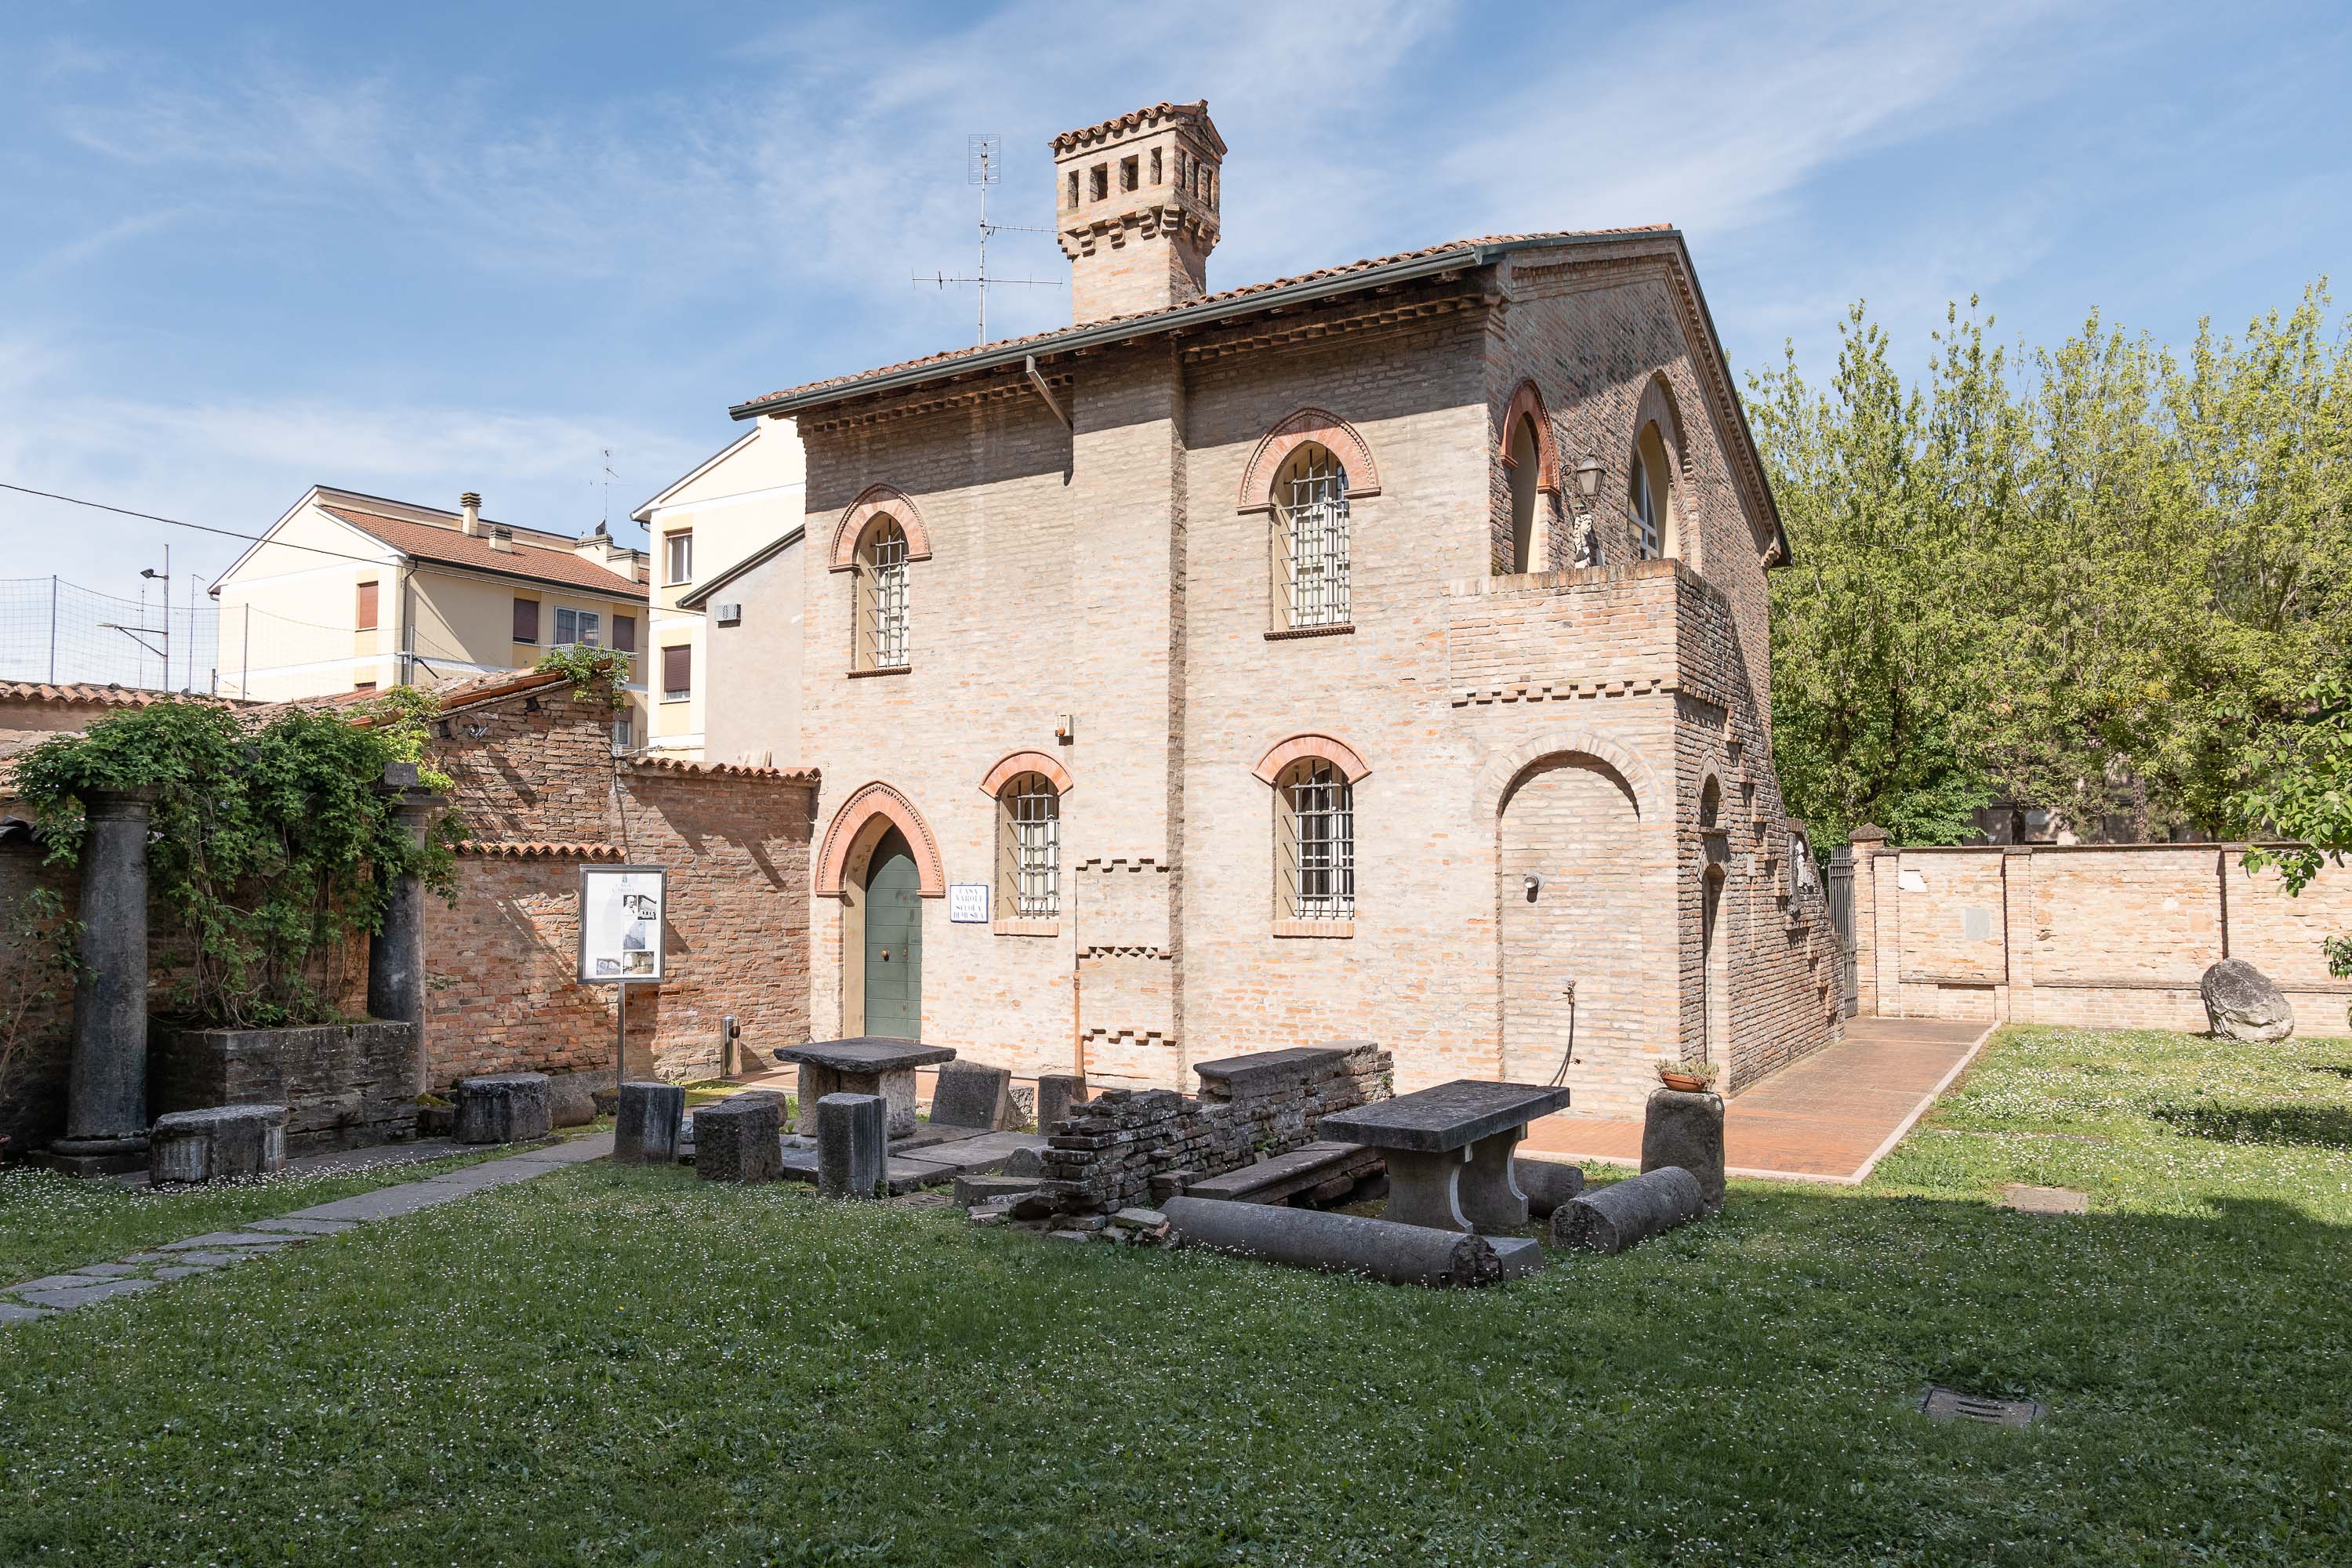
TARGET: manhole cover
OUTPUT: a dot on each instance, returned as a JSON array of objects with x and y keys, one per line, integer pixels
[
  {"x": 1951, "y": 1404},
  {"x": 2044, "y": 1200}
]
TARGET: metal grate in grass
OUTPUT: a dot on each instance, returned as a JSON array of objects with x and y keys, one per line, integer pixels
[{"x": 1941, "y": 1404}]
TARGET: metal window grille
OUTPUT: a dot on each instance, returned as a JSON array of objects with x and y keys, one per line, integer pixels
[
  {"x": 1319, "y": 847},
  {"x": 886, "y": 611},
  {"x": 1645, "y": 510},
  {"x": 1315, "y": 542},
  {"x": 1033, "y": 848}
]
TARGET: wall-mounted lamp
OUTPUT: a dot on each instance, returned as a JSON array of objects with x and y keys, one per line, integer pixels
[
  {"x": 1588, "y": 478},
  {"x": 1534, "y": 886}
]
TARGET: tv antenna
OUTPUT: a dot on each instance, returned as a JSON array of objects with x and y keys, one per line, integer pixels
[
  {"x": 604, "y": 518},
  {"x": 984, "y": 167}
]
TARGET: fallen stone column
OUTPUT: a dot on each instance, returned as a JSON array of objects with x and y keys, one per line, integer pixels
[
  {"x": 1549, "y": 1185},
  {"x": 739, "y": 1140},
  {"x": 851, "y": 1145},
  {"x": 1611, "y": 1219},
  {"x": 217, "y": 1143},
  {"x": 645, "y": 1127},
  {"x": 503, "y": 1108},
  {"x": 1379, "y": 1249}
]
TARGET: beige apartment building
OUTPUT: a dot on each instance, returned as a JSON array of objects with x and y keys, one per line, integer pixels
[
  {"x": 1381, "y": 652},
  {"x": 352, "y": 592},
  {"x": 731, "y": 516}
]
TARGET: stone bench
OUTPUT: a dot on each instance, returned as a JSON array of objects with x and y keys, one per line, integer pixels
[
  {"x": 1321, "y": 1170},
  {"x": 217, "y": 1143}
]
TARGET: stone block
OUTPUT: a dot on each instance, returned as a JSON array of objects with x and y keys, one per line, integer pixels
[
  {"x": 969, "y": 1094},
  {"x": 1611, "y": 1219},
  {"x": 218, "y": 1144},
  {"x": 571, "y": 1098},
  {"x": 739, "y": 1140},
  {"x": 1058, "y": 1094},
  {"x": 1685, "y": 1129},
  {"x": 970, "y": 1190},
  {"x": 646, "y": 1130},
  {"x": 851, "y": 1145},
  {"x": 503, "y": 1108},
  {"x": 344, "y": 1086}
]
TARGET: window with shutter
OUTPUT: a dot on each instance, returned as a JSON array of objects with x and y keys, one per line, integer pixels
[
  {"x": 678, "y": 674},
  {"x": 367, "y": 607},
  {"x": 625, "y": 633},
  {"x": 526, "y": 620}
]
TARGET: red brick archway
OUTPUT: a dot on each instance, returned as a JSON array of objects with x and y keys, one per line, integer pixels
[
  {"x": 1528, "y": 403},
  {"x": 873, "y": 499},
  {"x": 1324, "y": 428},
  {"x": 885, "y": 801},
  {"x": 1019, "y": 762},
  {"x": 1337, "y": 753}
]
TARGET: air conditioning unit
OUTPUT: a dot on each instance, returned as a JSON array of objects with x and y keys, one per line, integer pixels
[{"x": 729, "y": 615}]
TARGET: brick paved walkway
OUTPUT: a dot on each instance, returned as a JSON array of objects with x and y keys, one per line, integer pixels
[
  {"x": 1828, "y": 1118},
  {"x": 148, "y": 1270}
]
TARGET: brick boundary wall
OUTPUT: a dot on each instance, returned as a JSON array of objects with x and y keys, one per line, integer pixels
[
  {"x": 33, "y": 1100},
  {"x": 2101, "y": 936},
  {"x": 1131, "y": 1146}
]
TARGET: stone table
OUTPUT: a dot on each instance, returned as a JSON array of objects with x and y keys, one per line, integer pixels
[
  {"x": 867, "y": 1065},
  {"x": 1449, "y": 1149}
]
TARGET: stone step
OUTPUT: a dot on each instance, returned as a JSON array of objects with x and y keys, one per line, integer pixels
[{"x": 1284, "y": 1177}]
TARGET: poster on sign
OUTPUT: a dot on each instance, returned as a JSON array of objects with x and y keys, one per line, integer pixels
[{"x": 620, "y": 911}]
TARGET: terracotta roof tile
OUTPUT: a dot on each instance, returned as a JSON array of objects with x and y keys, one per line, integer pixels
[
  {"x": 948, "y": 358},
  {"x": 537, "y": 849},
  {"x": 724, "y": 770},
  {"x": 454, "y": 548},
  {"x": 1106, "y": 128},
  {"x": 81, "y": 692}
]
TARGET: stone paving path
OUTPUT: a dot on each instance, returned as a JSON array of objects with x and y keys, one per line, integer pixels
[
  {"x": 1829, "y": 1116},
  {"x": 216, "y": 1249}
]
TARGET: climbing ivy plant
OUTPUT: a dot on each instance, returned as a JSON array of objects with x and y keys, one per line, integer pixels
[{"x": 273, "y": 847}]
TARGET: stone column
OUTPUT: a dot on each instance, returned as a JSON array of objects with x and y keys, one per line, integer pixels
[
  {"x": 106, "y": 1096},
  {"x": 396, "y": 953}
]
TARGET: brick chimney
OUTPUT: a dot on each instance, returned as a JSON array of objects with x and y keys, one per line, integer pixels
[
  {"x": 470, "y": 514},
  {"x": 1137, "y": 201}
]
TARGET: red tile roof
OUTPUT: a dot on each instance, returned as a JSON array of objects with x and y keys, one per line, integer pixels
[
  {"x": 1141, "y": 319},
  {"x": 1163, "y": 110},
  {"x": 82, "y": 692},
  {"x": 453, "y": 548}
]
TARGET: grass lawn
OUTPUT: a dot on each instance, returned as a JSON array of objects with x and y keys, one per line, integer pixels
[
  {"x": 621, "y": 1366},
  {"x": 50, "y": 1223}
]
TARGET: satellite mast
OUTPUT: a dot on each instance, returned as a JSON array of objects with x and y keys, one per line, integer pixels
[{"x": 984, "y": 167}]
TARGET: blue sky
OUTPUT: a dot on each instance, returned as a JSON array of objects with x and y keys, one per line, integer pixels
[{"x": 419, "y": 249}]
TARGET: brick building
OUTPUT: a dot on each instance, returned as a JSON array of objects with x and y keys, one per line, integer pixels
[{"x": 1378, "y": 652}]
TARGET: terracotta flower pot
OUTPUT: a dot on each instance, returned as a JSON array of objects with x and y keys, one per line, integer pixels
[{"x": 1683, "y": 1081}]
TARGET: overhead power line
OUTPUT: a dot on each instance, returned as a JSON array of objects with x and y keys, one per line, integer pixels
[{"x": 199, "y": 527}]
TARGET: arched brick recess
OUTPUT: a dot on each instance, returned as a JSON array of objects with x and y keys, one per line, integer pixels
[
  {"x": 1528, "y": 402},
  {"x": 1502, "y": 770},
  {"x": 1323, "y": 427},
  {"x": 1025, "y": 763},
  {"x": 879, "y": 499},
  {"x": 1339, "y": 754},
  {"x": 1658, "y": 405},
  {"x": 878, "y": 799}
]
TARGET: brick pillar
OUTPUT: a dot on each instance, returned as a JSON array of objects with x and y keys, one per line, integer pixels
[
  {"x": 1875, "y": 960},
  {"x": 2018, "y": 926},
  {"x": 106, "y": 1096}
]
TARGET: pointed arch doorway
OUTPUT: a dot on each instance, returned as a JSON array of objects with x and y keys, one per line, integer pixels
[{"x": 892, "y": 941}]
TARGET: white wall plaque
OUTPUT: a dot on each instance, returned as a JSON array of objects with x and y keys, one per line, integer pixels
[
  {"x": 621, "y": 917},
  {"x": 967, "y": 903}
]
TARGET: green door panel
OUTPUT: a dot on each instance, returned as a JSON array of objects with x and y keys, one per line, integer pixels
[{"x": 894, "y": 941}]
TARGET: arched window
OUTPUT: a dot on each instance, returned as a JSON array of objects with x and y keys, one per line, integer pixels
[
  {"x": 882, "y": 595},
  {"x": 1315, "y": 849},
  {"x": 1649, "y": 500},
  {"x": 1710, "y": 804},
  {"x": 1310, "y": 504},
  {"x": 1526, "y": 501},
  {"x": 1029, "y": 849}
]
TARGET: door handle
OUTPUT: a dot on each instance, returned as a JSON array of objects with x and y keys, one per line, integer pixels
[{"x": 886, "y": 955}]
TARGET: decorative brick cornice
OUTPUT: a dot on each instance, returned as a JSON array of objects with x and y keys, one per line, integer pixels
[{"x": 537, "y": 849}]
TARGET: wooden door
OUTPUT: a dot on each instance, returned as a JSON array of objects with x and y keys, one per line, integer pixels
[{"x": 894, "y": 941}]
